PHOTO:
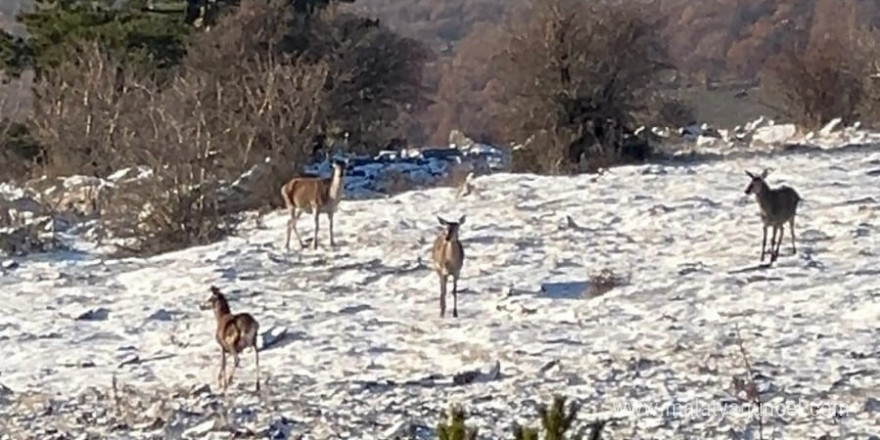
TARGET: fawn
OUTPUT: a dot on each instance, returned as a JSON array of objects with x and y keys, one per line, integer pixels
[
  {"x": 448, "y": 256},
  {"x": 314, "y": 195},
  {"x": 778, "y": 206},
  {"x": 235, "y": 332}
]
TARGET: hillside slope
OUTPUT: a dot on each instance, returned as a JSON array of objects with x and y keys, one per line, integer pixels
[{"x": 357, "y": 349}]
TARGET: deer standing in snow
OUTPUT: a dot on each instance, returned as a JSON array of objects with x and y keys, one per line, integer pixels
[
  {"x": 314, "y": 195},
  {"x": 235, "y": 333},
  {"x": 778, "y": 206},
  {"x": 448, "y": 256}
]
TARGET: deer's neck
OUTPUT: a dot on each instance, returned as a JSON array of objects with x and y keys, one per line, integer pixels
[
  {"x": 335, "y": 186},
  {"x": 763, "y": 197},
  {"x": 221, "y": 309}
]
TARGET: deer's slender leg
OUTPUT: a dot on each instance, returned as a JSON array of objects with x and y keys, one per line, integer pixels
[
  {"x": 291, "y": 224},
  {"x": 772, "y": 245},
  {"x": 221, "y": 376},
  {"x": 773, "y": 241},
  {"x": 780, "y": 238},
  {"x": 442, "y": 295},
  {"x": 455, "y": 296},
  {"x": 317, "y": 223},
  {"x": 764, "y": 244},
  {"x": 330, "y": 218},
  {"x": 793, "y": 246},
  {"x": 257, "y": 363},
  {"x": 232, "y": 370}
]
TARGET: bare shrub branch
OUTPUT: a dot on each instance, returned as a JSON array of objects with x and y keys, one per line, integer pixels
[
  {"x": 80, "y": 111},
  {"x": 747, "y": 389}
]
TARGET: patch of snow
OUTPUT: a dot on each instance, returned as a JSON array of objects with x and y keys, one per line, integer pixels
[
  {"x": 830, "y": 127},
  {"x": 774, "y": 134}
]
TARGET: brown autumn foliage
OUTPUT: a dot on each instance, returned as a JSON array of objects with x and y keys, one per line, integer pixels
[
  {"x": 708, "y": 42},
  {"x": 829, "y": 78},
  {"x": 575, "y": 76},
  {"x": 464, "y": 99},
  {"x": 717, "y": 39}
]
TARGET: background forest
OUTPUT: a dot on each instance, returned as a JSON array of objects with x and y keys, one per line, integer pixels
[{"x": 605, "y": 67}]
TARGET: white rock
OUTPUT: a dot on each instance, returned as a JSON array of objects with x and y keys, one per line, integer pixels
[
  {"x": 202, "y": 429},
  {"x": 776, "y": 134},
  {"x": 82, "y": 181},
  {"x": 761, "y": 122},
  {"x": 271, "y": 337},
  {"x": 661, "y": 131},
  {"x": 706, "y": 141},
  {"x": 830, "y": 127}
]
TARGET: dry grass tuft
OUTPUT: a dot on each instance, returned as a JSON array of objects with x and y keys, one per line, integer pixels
[{"x": 603, "y": 282}]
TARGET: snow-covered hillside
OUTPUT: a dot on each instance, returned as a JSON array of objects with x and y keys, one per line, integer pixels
[{"x": 356, "y": 349}]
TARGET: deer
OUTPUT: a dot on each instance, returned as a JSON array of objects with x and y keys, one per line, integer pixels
[
  {"x": 235, "y": 333},
  {"x": 778, "y": 206},
  {"x": 314, "y": 195},
  {"x": 448, "y": 256},
  {"x": 465, "y": 187}
]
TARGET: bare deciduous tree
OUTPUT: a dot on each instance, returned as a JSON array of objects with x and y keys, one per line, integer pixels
[
  {"x": 577, "y": 74},
  {"x": 829, "y": 78}
]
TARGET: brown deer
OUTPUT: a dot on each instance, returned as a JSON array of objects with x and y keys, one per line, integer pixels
[
  {"x": 778, "y": 206},
  {"x": 448, "y": 256},
  {"x": 235, "y": 333},
  {"x": 314, "y": 195}
]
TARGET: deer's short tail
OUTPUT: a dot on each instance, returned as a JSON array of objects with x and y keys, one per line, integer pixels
[{"x": 287, "y": 193}]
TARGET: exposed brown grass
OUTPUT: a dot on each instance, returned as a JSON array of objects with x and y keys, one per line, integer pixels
[{"x": 604, "y": 281}]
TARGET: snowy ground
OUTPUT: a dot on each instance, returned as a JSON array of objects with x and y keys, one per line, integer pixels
[{"x": 367, "y": 356}]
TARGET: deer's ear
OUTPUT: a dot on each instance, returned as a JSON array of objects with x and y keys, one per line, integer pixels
[
  {"x": 765, "y": 173},
  {"x": 748, "y": 173},
  {"x": 442, "y": 222},
  {"x": 461, "y": 220}
]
